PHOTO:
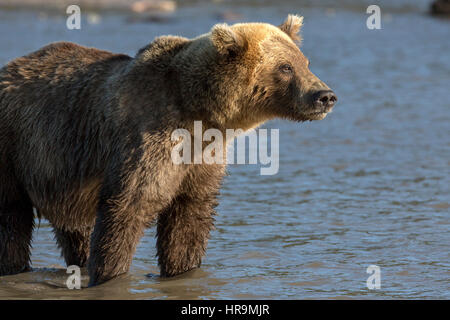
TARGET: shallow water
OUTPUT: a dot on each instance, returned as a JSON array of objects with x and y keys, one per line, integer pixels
[{"x": 368, "y": 185}]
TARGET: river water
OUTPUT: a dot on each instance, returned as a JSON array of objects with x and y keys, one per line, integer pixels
[{"x": 369, "y": 185}]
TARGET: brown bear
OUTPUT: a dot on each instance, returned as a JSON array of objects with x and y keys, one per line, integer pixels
[{"x": 85, "y": 138}]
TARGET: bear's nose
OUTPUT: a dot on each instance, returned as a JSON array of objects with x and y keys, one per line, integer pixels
[{"x": 324, "y": 99}]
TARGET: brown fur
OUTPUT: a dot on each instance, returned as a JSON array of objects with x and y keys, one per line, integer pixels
[{"x": 85, "y": 139}]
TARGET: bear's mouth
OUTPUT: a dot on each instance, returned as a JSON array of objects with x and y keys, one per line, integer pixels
[
  {"x": 316, "y": 115},
  {"x": 311, "y": 113}
]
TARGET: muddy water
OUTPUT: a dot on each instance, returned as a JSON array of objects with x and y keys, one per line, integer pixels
[{"x": 368, "y": 185}]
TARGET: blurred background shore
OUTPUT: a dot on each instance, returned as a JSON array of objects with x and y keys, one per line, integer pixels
[{"x": 171, "y": 5}]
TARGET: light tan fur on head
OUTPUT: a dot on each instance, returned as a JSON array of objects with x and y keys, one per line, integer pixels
[
  {"x": 246, "y": 43},
  {"x": 243, "y": 63},
  {"x": 249, "y": 36}
]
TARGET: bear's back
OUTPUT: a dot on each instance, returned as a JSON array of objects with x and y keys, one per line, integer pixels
[
  {"x": 61, "y": 78},
  {"x": 56, "y": 61},
  {"x": 56, "y": 69},
  {"x": 53, "y": 99}
]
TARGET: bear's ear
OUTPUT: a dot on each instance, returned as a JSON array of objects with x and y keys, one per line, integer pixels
[
  {"x": 291, "y": 26},
  {"x": 227, "y": 41}
]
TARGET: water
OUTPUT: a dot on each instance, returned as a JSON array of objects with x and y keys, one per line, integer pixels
[{"x": 368, "y": 185}]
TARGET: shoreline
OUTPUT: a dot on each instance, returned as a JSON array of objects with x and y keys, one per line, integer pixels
[
  {"x": 166, "y": 6},
  {"x": 127, "y": 6}
]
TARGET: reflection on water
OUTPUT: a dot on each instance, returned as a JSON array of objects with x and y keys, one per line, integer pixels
[{"x": 368, "y": 185}]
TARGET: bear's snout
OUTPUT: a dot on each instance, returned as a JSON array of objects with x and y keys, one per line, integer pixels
[{"x": 324, "y": 100}]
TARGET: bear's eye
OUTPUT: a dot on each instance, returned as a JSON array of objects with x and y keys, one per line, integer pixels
[{"x": 286, "y": 68}]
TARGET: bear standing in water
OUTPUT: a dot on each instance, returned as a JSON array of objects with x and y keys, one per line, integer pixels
[{"x": 85, "y": 138}]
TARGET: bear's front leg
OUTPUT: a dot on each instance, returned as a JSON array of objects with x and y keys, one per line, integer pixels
[
  {"x": 184, "y": 227},
  {"x": 74, "y": 245},
  {"x": 183, "y": 231},
  {"x": 116, "y": 234}
]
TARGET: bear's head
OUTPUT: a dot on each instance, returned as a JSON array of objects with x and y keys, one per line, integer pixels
[{"x": 242, "y": 75}]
